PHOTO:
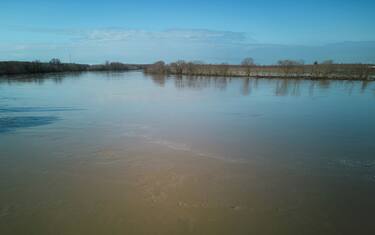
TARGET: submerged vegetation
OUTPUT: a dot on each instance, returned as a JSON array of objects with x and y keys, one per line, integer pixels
[{"x": 285, "y": 68}]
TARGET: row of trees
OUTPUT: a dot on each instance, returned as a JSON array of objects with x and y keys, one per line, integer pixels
[
  {"x": 114, "y": 66},
  {"x": 248, "y": 68},
  {"x": 189, "y": 68},
  {"x": 55, "y": 65}
]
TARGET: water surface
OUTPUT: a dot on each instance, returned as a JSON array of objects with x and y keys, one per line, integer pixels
[{"x": 125, "y": 153}]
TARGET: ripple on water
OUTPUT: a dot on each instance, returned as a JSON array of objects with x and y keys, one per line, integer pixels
[
  {"x": 357, "y": 163},
  {"x": 36, "y": 109},
  {"x": 8, "y": 124}
]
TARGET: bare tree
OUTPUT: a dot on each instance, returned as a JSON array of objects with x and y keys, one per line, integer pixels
[
  {"x": 55, "y": 61},
  {"x": 36, "y": 66},
  {"x": 288, "y": 65},
  {"x": 248, "y": 63},
  {"x": 327, "y": 67},
  {"x": 363, "y": 71},
  {"x": 178, "y": 66},
  {"x": 157, "y": 68},
  {"x": 190, "y": 68},
  {"x": 223, "y": 69},
  {"x": 315, "y": 71}
]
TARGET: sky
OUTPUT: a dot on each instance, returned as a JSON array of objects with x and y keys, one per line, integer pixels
[{"x": 211, "y": 31}]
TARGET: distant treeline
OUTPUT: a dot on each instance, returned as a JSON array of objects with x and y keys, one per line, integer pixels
[
  {"x": 115, "y": 66},
  {"x": 285, "y": 68},
  {"x": 55, "y": 66}
]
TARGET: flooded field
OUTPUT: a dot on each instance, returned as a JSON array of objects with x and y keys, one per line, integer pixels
[{"x": 125, "y": 153}]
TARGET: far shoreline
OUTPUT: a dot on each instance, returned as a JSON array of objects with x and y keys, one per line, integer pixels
[{"x": 288, "y": 70}]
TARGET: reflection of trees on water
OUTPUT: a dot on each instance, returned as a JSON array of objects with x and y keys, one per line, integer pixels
[
  {"x": 196, "y": 82},
  {"x": 248, "y": 85},
  {"x": 191, "y": 82},
  {"x": 246, "y": 88},
  {"x": 364, "y": 86},
  {"x": 110, "y": 75},
  {"x": 281, "y": 87},
  {"x": 287, "y": 87},
  {"x": 297, "y": 87},
  {"x": 39, "y": 78},
  {"x": 158, "y": 79}
]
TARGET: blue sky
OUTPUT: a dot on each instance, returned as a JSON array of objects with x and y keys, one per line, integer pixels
[{"x": 214, "y": 31}]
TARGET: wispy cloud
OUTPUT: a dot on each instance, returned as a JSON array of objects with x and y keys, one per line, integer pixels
[
  {"x": 141, "y": 46},
  {"x": 122, "y": 34},
  {"x": 188, "y": 35}
]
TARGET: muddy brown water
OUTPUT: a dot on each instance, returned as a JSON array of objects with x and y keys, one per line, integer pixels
[{"x": 125, "y": 153}]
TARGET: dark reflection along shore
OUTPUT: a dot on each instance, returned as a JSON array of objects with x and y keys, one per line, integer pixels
[
  {"x": 8, "y": 124},
  {"x": 39, "y": 78},
  {"x": 36, "y": 109},
  {"x": 282, "y": 86},
  {"x": 58, "y": 78}
]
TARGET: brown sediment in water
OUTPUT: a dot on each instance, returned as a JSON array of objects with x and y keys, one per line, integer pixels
[
  {"x": 158, "y": 190},
  {"x": 243, "y": 156}
]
